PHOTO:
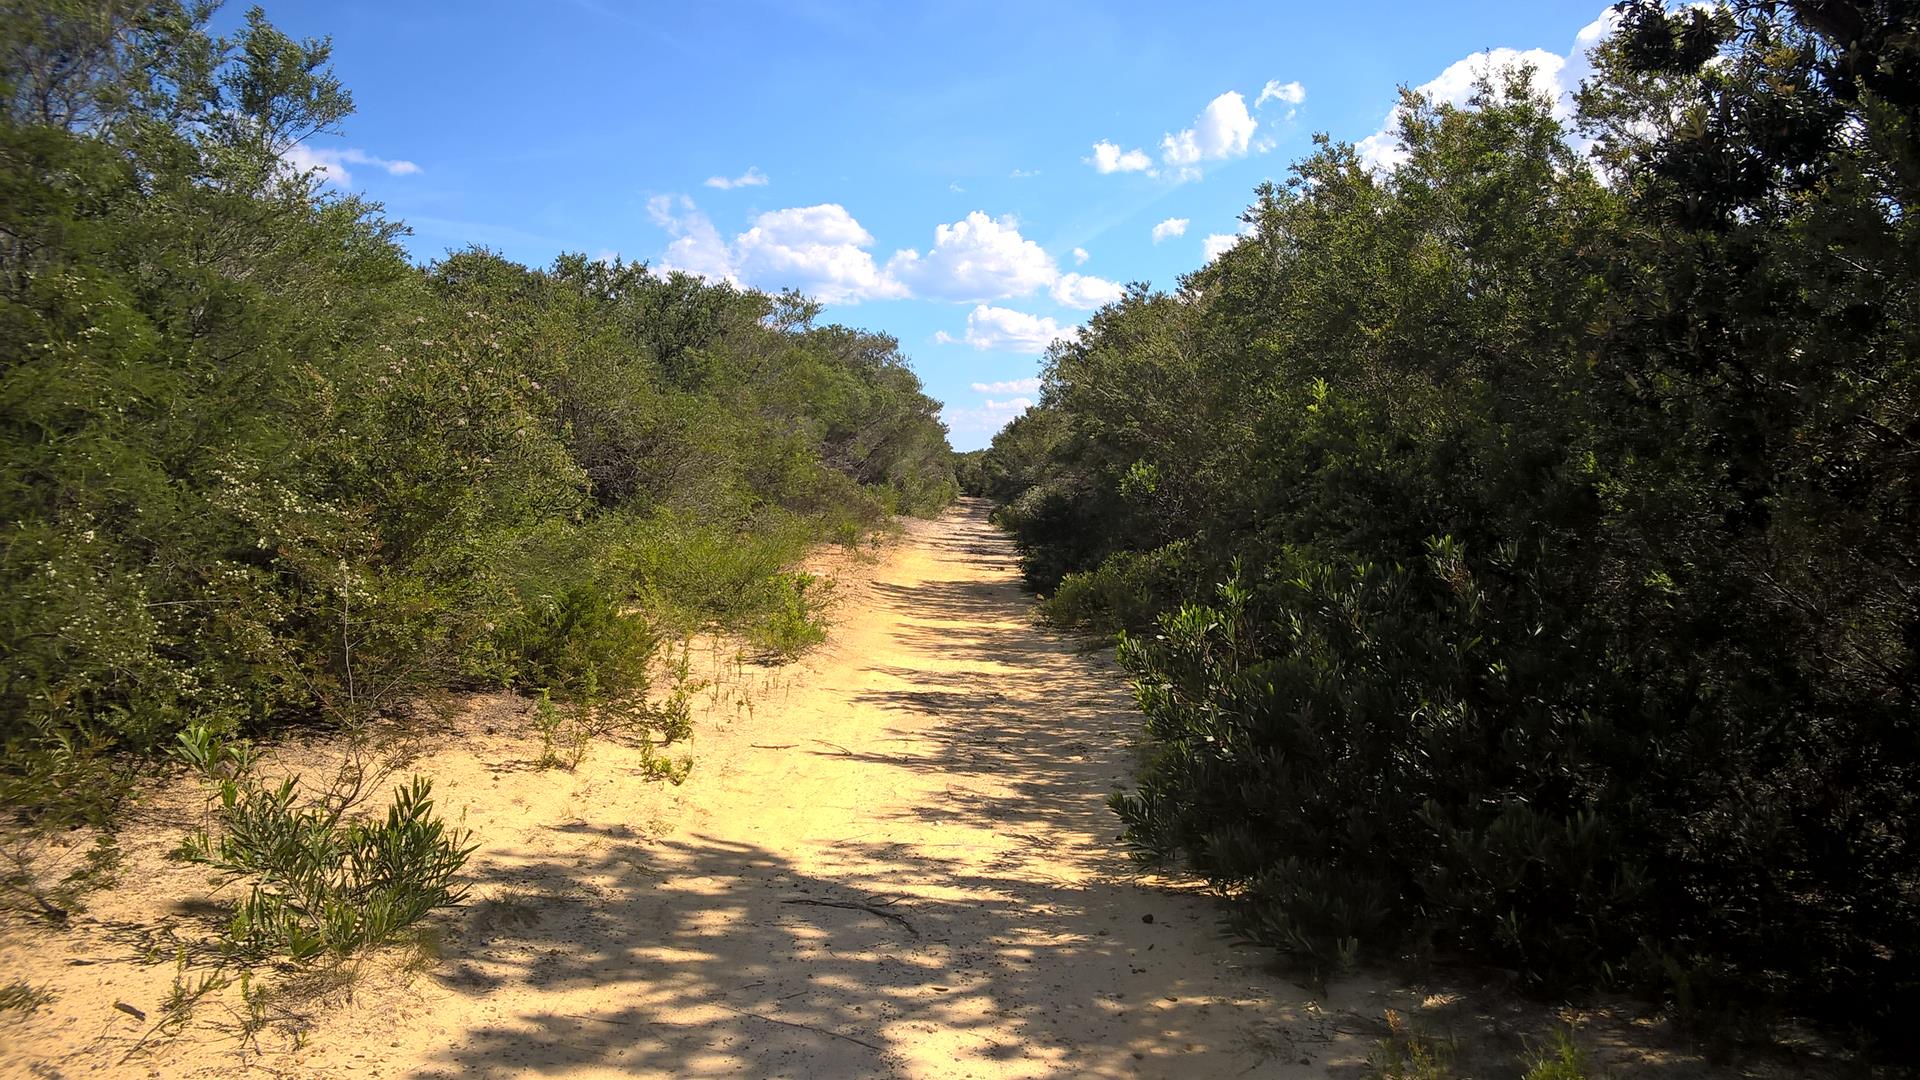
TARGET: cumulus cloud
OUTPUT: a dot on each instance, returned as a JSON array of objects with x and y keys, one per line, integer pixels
[
  {"x": 820, "y": 250},
  {"x": 1109, "y": 158},
  {"x": 753, "y": 177},
  {"x": 332, "y": 164},
  {"x": 1557, "y": 75},
  {"x": 1224, "y": 129},
  {"x": 823, "y": 251},
  {"x": 1085, "y": 291},
  {"x": 1173, "y": 226},
  {"x": 1007, "y": 329},
  {"x": 1290, "y": 93},
  {"x": 982, "y": 258},
  {"x": 697, "y": 247},
  {"x": 1080, "y": 256},
  {"x": 1009, "y": 386},
  {"x": 1216, "y": 244},
  {"x": 976, "y": 258},
  {"x": 986, "y": 419}
]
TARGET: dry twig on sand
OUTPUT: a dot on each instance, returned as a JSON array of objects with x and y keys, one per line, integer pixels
[{"x": 873, "y": 908}]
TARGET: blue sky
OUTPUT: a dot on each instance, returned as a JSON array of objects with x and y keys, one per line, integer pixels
[{"x": 935, "y": 171}]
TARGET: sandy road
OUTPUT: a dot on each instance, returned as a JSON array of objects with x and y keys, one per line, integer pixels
[
  {"x": 947, "y": 763},
  {"x": 942, "y": 762}
]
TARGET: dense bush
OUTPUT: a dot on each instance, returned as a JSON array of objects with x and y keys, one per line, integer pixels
[
  {"x": 1574, "y": 504},
  {"x": 256, "y": 466}
]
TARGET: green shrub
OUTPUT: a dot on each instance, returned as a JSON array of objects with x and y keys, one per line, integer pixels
[
  {"x": 319, "y": 883},
  {"x": 1128, "y": 590},
  {"x": 792, "y": 622}
]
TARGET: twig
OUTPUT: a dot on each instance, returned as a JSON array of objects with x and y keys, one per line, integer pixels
[
  {"x": 806, "y": 1027},
  {"x": 773, "y": 746},
  {"x": 868, "y": 908}
]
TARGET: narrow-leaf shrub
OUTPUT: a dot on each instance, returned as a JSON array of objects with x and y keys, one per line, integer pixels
[{"x": 318, "y": 882}]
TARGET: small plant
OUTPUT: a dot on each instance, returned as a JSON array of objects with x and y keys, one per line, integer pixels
[
  {"x": 658, "y": 766},
  {"x": 1564, "y": 1061},
  {"x": 319, "y": 884},
  {"x": 564, "y": 734},
  {"x": 1409, "y": 1055},
  {"x": 674, "y": 716},
  {"x": 187, "y": 992},
  {"x": 792, "y": 623}
]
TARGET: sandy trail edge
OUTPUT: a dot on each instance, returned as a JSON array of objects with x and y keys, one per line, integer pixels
[{"x": 941, "y": 765}]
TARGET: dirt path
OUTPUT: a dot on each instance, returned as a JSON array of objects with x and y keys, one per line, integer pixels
[
  {"x": 901, "y": 864},
  {"x": 944, "y": 763}
]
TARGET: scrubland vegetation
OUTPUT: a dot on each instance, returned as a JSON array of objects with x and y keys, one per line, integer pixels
[
  {"x": 258, "y": 469},
  {"x": 1515, "y": 549}
]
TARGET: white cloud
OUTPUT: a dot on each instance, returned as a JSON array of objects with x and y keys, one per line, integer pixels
[
  {"x": 1022, "y": 174},
  {"x": 1173, "y": 226},
  {"x": 1004, "y": 328},
  {"x": 1291, "y": 93},
  {"x": 753, "y": 177},
  {"x": 1085, "y": 291},
  {"x": 976, "y": 258},
  {"x": 1579, "y": 66},
  {"x": 987, "y": 419},
  {"x": 332, "y": 164},
  {"x": 1009, "y": 386},
  {"x": 823, "y": 251},
  {"x": 1217, "y": 243},
  {"x": 1557, "y": 75},
  {"x": 1222, "y": 130},
  {"x": 697, "y": 247},
  {"x": 1109, "y": 158},
  {"x": 982, "y": 258},
  {"x": 1080, "y": 256},
  {"x": 819, "y": 250}
]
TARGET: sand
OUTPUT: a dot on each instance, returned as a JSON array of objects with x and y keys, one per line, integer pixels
[{"x": 893, "y": 858}]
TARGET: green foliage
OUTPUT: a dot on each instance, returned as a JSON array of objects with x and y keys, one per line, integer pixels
[
  {"x": 792, "y": 622},
  {"x": 319, "y": 883},
  {"x": 674, "y": 716},
  {"x": 564, "y": 734},
  {"x": 1576, "y": 626},
  {"x": 256, "y": 465},
  {"x": 657, "y": 766},
  {"x": 1406, "y": 1054},
  {"x": 1565, "y": 1060},
  {"x": 1128, "y": 590}
]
